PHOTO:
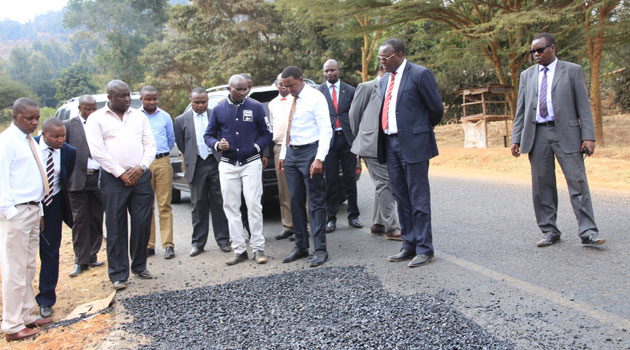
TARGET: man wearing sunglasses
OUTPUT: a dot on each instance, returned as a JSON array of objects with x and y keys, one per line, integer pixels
[{"x": 553, "y": 121}]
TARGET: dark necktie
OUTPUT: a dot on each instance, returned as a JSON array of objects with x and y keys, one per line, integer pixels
[
  {"x": 388, "y": 98},
  {"x": 542, "y": 96},
  {"x": 50, "y": 174}
]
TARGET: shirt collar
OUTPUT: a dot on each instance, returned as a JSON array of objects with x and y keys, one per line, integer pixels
[
  {"x": 83, "y": 120},
  {"x": 229, "y": 99},
  {"x": 199, "y": 114},
  {"x": 17, "y": 131},
  {"x": 109, "y": 110},
  {"x": 335, "y": 84},
  {"x": 551, "y": 67},
  {"x": 43, "y": 145},
  {"x": 401, "y": 68},
  {"x": 157, "y": 110}
]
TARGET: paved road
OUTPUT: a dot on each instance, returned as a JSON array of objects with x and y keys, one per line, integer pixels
[{"x": 564, "y": 296}]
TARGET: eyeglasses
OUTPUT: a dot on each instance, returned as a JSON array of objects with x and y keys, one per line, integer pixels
[
  {"x": 383, "y": 59},
  {"x": 539, "y": 50}
]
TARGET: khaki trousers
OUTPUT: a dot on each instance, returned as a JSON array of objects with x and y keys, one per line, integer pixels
[
  {"x": 19, "y": 240},
  {"x": 162, "y": 183},
  {"x": 283, "y": 192}
]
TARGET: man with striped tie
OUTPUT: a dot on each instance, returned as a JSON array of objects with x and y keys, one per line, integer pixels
[{"x": 58, "y": 158}]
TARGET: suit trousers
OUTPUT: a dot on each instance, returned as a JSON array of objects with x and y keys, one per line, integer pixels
[
  {"x": 246, "y": 180},
  {"x": 545, "y": 194},
  {"x": 205, "y": 195},
  {"x": 385, "y": 211},
  {"x": 87, "y": 214},
  {"x": 162, "y": 184},
  {"x": 19, "y": 240},
  {"x": 410, "y": 187},
  {"x": 339, "y": 153},
  {"x": 49, "y": 243},
  {"x": 284, "y": 197},
  {"x": 120, "y": 200},
  {"x": 297, "y": 167}
]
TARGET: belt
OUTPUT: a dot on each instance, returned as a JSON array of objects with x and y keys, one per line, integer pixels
[
  {"x": 161, "y": 155},
  {"x": 91, "y": 171},
  {"x": 550, "y": 123},
  {"x": 392, "y": 135},
  {"x": 302, "y": 146},
  {"x": 339, "y": 132},
  {"x": 28, "y": 203}
]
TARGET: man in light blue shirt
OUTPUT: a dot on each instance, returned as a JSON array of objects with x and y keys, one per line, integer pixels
[{"x": 162, "y": 179}]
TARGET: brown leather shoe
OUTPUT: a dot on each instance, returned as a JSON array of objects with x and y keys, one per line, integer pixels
[
  {"x": 377, "y": 229},
  {"x": 23, "y": 334},
  {"x": 40, "y": 322}
]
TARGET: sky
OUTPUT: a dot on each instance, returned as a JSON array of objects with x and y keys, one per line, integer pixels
[{"x": 25, "y": 10}]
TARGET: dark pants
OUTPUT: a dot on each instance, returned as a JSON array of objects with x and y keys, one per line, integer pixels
[
  {"x": 205, "y": 195},
  {"x": 410, "y": 187},
  {"x": 87, "y": 213},
  {"x": 340, "y": 153},
  {"x": 119, "y": 200},
  {"x": 49, "y": 243},
  {"x": 297, "y": 168}
]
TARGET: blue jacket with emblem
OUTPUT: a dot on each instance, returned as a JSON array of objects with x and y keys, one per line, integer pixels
[{"x": 244, "y": 126}]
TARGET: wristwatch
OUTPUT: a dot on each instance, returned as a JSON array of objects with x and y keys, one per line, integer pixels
[{"x": 144, "y": 168}]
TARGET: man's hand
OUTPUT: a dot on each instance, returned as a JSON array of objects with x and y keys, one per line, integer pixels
[
  {"x": 516, "y": 150},
  {"x": 41, "y": 224},
  {"x": 125, "y": 178},
  {"x": 265, "y": 162},
  {"x": 280, "y": 166},
  {"x": 590, "y": 145},
  {"x": 316, "y": 167},
  {"x": 135, "y": 173},
  {"x": 224, "y": 145}
]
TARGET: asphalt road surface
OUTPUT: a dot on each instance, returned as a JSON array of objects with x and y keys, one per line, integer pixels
[{"x": 562, "y": 297}]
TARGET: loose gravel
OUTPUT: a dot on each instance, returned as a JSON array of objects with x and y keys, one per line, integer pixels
[{"x": 325, "y": 308}]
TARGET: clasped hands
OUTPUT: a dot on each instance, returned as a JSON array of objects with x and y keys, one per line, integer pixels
[{"x": 131, "y": 176}]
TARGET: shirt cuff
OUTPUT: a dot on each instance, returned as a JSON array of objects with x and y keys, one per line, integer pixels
[
  {"x": 216, "y": 146},
  {"x": 118, "y": 171}
]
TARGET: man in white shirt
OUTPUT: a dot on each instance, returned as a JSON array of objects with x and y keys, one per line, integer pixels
[
  {"x": 303, "y": 151},
  {"x": 121, "y": 141},
  {"x": 22, "y": 187}
]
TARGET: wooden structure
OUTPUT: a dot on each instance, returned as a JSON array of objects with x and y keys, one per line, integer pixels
[{"x": 482, "y": 105}]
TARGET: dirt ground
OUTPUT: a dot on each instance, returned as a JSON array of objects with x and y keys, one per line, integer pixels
[{"x": 608, "y": 169}]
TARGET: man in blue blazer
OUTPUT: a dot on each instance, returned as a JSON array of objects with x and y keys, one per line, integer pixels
[
  {"x": 58, "y": 160},
  {"x": 412, "y": 106}
]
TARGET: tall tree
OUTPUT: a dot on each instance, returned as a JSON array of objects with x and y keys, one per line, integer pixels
[
  {"x": 125, "y": 28},
  {"x": 10, "y": 91},
  {"x": 74, "y": 81}
]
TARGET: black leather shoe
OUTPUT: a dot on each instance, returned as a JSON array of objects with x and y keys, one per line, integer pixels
[
  {"x": 319, "y": 258},
  {"x": 145, "y": 274},
  {"x": 169, "y": 253},
  {"x": 45, "y": 311},
  {"x": 225, "y": 248},
  {"x": 592, "y": 239},
  {"x": 297, "y": 253},
  {"x": 377, "y": 229},
  {"x": 96, "y": 263},
  {"x": 421, "y": 259},
  {"x": 330, "y": 226},
  {"x": 119, "y": 285},
  {"x": 548, "y": 239},
  {"x": 195, "y": 251},
  {"x": 285, "y": 234},
  {"x": 355, "y": 223},
  {"x": 150, "y": 251},
  {"x": 402, "y": 255},
  {"x": 78, "y": 269}
]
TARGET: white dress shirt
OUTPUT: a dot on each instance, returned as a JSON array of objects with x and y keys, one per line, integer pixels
[
  {"x": 279, "y": 109},
  {"x": 91, "y": 163},
  {"x": 551, "y": 70},
  {"x": 56, "y": 153},
  {"x": 119, "y": 145},
  {"x": 201, "y": 124},
  {"x": 311, "y": 122},
  {"x": 392, "y": 125},
  {"x": 20, "y": 178}
]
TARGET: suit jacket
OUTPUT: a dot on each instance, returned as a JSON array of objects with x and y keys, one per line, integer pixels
[
  {"x": 418, "y": 109},
  {"x": 68, "y": 155},
  {"x": 344, "y": 100},
  {"x": 75, "y": 136},
  {"x": 571, "y": 107},
  {"x": 186, "y": 140},
  {"x": 364, "y": 115}
]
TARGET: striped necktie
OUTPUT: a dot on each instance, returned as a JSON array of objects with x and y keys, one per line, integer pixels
[
  {"x": 50, "y": 174},
  {"x": 542, "y": 96},
  {"x": 388, "y": 98}
]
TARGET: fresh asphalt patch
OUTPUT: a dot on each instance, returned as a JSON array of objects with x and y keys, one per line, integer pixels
[{"x": 325, "y": 308}]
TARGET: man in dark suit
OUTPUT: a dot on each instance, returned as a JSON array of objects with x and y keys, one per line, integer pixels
[
  {"x": 59, "y": 158},
  {"x": 339, "y": 96},
  {"x": 202, "y": 172},
  {"x": 85, "y": 197},
  {"x": 412, "y": 106},
  {"x": 553, "y": 120}
]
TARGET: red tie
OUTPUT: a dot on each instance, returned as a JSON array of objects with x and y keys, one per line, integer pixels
[
  {"x": 283, "y": 99},
  {"x": 388, "y": 98},
  {"x": 334, "y": 98}
]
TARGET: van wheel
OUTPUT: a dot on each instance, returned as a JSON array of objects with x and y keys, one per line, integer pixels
[{"x": 176, "y": 196}]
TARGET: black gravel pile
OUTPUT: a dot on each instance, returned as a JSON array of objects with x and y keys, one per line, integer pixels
[{"x": 325, "y": 308}]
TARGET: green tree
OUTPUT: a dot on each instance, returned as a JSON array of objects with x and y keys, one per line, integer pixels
[
  {"x": 74, "y": 81},
  {"x": 11, "y": 90}
]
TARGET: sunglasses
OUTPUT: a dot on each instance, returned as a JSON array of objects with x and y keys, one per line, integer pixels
[
  {"x": 383, "y": 59},
  {"x": 539, "y": 50}
]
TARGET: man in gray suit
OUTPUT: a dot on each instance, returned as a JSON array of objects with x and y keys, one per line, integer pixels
[
  {"x": 364, "y": 114},
  {"x": 84, "y": 194},
  {"x": 553, "y": 120},
  {"x": 202, "y": 172}
]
